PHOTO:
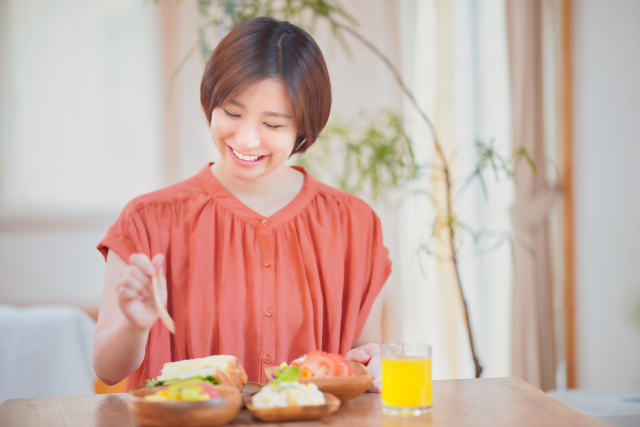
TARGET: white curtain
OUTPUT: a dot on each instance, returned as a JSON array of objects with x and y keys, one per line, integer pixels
[
  {"x": 454, "y": 59},
  {"x": 533, "y": 349}
]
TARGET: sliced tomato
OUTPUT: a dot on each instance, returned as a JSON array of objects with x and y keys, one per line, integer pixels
[
  {"x": 305, "y": 373},
  {"x": 320, "y": 364},
  {"x": 343, "y": 367},
  {"x": 208, "y": 389}
]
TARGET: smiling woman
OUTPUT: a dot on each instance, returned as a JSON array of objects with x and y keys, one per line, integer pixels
[
  {"x": 254, "y": 258},
  {"x": 267, "y": 95}
]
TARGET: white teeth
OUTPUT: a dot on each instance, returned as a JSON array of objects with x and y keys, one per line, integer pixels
[{"x": 243, "y": 157}]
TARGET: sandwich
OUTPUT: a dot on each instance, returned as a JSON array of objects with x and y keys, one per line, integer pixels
[{"x": 222, "y": 370}]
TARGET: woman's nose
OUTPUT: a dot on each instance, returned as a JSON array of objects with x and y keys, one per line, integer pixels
[{"x": 247, "y": 138}]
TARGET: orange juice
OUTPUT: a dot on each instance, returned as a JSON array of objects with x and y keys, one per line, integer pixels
[{"x": 406, "y": 382}]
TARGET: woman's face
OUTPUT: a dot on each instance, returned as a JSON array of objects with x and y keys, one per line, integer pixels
[{"x": 255, "y": 131}]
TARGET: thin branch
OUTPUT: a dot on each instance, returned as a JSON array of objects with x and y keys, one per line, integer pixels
[{"x": 447, "y": 177}]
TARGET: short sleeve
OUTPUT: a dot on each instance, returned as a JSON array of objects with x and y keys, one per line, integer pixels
[
  {"x": 378, "y": 269},
  {"x": 123, "y": 236}
]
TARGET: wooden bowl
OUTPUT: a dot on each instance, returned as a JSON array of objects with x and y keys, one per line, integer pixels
[
  {"x": 213, "y": 412},
  {"x": 249, "y": 389},
  {"x": 344, "y": 388},
  {"x": 291, "y": 413}
]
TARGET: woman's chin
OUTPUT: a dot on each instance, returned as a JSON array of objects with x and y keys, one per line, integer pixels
[{"x": 247, "y": 173}]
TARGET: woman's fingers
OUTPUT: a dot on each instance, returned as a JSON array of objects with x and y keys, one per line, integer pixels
[
  {"x": 375, "y": 366},
  {"x": 137, "y": 274},
  {"x": 130, "y": 282},
  {"x": 358, "y": 355},
  {"x": 143, "y": 263},
  {"x": 376, "y": 386},
  {"x": 135, "y": 278},
  {"x": 127, "y": 294},
  {"x": 158, "y": 262},
  {"x": 370, "y": 355}
]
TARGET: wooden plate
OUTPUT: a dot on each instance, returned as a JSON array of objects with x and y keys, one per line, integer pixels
[
  {"x": 249, "y": 389},
  {"x": 213, "y": 412},
  {"x": 291, "y": 413},
  {"x": 344, "y": 388}
]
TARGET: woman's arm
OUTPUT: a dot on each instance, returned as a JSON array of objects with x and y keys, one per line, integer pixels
[
  {"x": 127, "y": 312},
  {"x": 366, "y": 350}
]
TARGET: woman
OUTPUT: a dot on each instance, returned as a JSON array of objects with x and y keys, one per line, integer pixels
[{"x": 256, "y": 259}]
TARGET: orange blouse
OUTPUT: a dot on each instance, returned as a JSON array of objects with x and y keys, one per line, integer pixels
[{"x": 266, "y": 290}]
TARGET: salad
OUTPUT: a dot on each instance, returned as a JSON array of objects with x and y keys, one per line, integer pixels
[
  {"x": 185, "y": 391},
  {"x": 287, "y": 391},
  {"x": 318, "y": 364}
]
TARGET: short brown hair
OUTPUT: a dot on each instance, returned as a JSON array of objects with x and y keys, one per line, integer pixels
[{"x": 265, "y": 47}]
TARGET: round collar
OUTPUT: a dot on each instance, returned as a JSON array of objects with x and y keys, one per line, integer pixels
[{"x": 231, "y": 203}]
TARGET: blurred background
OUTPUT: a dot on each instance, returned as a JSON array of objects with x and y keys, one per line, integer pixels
[{"x": 513, "y": 216}]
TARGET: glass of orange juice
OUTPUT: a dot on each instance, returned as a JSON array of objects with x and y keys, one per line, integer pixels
[{"x": 406, "y": 380}]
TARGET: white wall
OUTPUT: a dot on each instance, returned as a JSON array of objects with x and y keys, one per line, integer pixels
[
  {"x": 607, "y": 176},
  {"x": 51, "y": 268}
]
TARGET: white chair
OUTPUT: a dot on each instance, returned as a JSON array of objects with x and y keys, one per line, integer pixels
[{"x": 45, "y": 351}]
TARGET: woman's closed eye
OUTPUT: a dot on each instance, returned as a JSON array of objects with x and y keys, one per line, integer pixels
[
  {"x": 272, "y": 126},
  {"x": 235, "y": 116}
]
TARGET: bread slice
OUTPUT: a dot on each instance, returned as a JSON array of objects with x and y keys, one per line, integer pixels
[{"x": 226, "y": 369}]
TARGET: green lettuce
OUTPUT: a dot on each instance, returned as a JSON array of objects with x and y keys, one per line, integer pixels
[
  {"x": 211, "y": 380},
  {"x": 286, "y": 374}
]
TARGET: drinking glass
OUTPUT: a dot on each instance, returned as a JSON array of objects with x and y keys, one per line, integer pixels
[{"x": 406, "y": 380}]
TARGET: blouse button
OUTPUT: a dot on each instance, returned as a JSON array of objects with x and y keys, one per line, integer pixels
[
  {"x": 269, "y": 312},
  {"x": 267, "y": 359},
  {"x": 267, "y": 263},
  {"x": 265, "y": 222}
]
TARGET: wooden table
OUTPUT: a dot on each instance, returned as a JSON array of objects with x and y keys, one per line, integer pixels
[{"x": 484, "y": 402}]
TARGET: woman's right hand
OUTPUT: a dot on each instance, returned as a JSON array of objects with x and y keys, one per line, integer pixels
[{"x": 135, "y": 290}]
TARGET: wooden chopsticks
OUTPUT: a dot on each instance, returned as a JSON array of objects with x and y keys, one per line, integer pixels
[{"x": 164, "y": 316}]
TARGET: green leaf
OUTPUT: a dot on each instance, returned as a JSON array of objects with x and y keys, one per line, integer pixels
[
  {"x": 153, "y": 383},
  {"x": 211, "y": 380},
  {"x": 288, "y": 375}
]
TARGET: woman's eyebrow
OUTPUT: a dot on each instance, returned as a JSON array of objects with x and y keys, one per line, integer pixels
[
  {"x": 276, "y": 114},
  {"x": 268, "y": 113}
]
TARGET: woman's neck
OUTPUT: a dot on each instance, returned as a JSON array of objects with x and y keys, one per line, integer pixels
[{"x": 265, "y": 195}]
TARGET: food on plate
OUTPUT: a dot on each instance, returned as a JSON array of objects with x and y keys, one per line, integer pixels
[
  {"x": 333, "y": 374},
  {"x": 223, "y": 370},
  {"x": 343, "y": 367},
  {"x": 318, "y": 364},
  {"x": 185, "y": 391},
  {"x": 287, "y": 391}
]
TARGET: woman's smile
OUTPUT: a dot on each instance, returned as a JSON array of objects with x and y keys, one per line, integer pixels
[{"x": 245, "y": 159}]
